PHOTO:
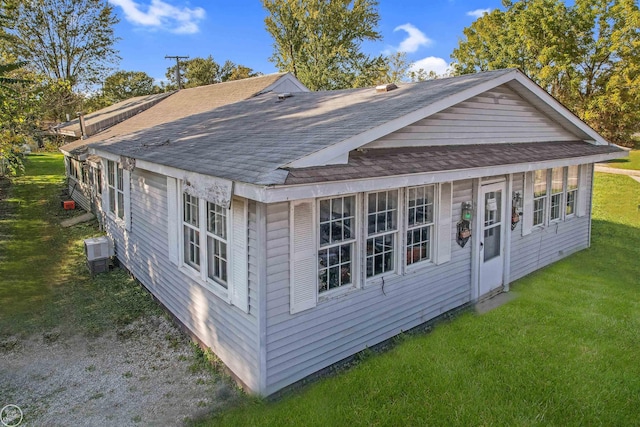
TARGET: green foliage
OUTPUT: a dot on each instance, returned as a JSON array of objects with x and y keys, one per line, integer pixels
[
  {"x": 587, "y": 55},
  {"x": 120, "y": 86},
  {"x": 11, "y": 159},
  {"x": 397, "y": 68},
  {"x": 123, "y": 85},
  {"x": 319, "y": 41},
  {"x": 69, "y": 40},
  {"x": 563, "y": 353},
  {"x": 206, "y": 71}
]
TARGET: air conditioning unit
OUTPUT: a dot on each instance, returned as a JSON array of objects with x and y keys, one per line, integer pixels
[{"x": 98, "y": 251}]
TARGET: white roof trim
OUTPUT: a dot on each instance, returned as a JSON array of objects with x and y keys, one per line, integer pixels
[
  {"x": 560, "y": 109},
  {"x": 286, "y": 77},
  {"x": 282, "y": 193},
  {"x": 328, "y": 155}
]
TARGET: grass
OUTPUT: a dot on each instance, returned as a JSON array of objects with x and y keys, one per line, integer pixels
[
  {"x": 631, "y": 162},
  {"x": 566, "y": 352},
  {"x": 44, "y": 282}
]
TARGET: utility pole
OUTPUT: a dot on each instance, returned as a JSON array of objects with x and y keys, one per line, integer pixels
[{"x": 177, "y": 58}]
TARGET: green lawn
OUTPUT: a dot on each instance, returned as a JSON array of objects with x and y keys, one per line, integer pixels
[
  {"x": 44, "y": 283},
  {"x": 631, "y": 162},
  {"x": 565, "y": 352}
]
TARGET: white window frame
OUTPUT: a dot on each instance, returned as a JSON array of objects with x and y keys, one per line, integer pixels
[
  {"x": 119, "y": 189},
  {"x": 378, "y": 234},
  {"x": 573, "y": 191},
  {"x": 201, "y": 271},
  {"x": 561, "y": 196},
  {"x": 306, "y": 222},
  {"x": 417, "y": 226},
  {"x": 192, "y": 225},
  {"x": 557, "y": 196},
  {"x": 353, "y": 242},
  {"x": 542, "y": 199},
  {"x": 218, "y": 234}
]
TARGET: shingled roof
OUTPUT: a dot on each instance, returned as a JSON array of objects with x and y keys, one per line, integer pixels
[
  {"x": 109, "y": 116},
  {"x": 410, "y": 160},
  {"x": 257, "y": 140},
  {"x": 182, "y": 104}
]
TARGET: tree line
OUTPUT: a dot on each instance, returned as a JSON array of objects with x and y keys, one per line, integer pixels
[{"x": 58, "y": 57}]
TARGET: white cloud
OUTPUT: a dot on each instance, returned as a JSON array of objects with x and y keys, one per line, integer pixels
[
  {"x": 162, "y": 15},
  {"x": 478, "y": 12},
  {"x": 431, "y": 63},
  {"x": 415, "y": 39}
]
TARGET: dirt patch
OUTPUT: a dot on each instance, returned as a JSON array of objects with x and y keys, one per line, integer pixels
[{"x": 144, "y": 374}]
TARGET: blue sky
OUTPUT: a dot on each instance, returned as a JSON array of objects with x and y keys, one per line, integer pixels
[{"x": 428, "y": 30}]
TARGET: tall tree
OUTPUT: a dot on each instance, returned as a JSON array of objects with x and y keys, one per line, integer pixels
[
  {"x": 71, "y": 40},
  {"x": 319, "y": 41},
  {"x": 206, "y": 71},
  {"x": 123, "y": 85},
  {"x": 587, "y": 55}
]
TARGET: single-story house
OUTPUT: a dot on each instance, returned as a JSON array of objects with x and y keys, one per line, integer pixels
[
  {"x": 289, "y": 231},
  {"x": 135, "y": 114}
]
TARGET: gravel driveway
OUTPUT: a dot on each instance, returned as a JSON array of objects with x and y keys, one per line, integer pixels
[{"x": 145, "y": 374}]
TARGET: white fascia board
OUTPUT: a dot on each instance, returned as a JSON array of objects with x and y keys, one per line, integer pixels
[
  {"x": 303, "y": 191},
  {"x": 65, "y": 152},
  {"x": 337, "y": 151},
  {"x": 542, "y": 94},
  {"x": 104, "y": 154}
]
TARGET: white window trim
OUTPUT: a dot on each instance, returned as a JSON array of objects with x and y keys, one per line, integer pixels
[
  {"x": 126, "y": 194},
  {"x": 201, "y": 275},
  {"x": 567, "y": 191},
  {"x": 356, "y": 280},
  {"x": 397, "y": 258},
  {"x": 418, "y": 265},
  {"x": 562, "y": 194},
  {"x": 304, "y": 244},
  {"x": 579, "y": 194}
]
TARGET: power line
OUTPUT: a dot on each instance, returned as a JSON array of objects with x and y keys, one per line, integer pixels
[{"x": 178, "y": 76}]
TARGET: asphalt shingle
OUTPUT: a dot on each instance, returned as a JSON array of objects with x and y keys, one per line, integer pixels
[{"x": 250, "y": 141}]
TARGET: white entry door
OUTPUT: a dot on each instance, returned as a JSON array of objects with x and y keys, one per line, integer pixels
[{"x": 492, "y": 220}]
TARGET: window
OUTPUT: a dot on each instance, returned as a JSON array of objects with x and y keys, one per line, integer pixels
[
  {"x": 217, "y": 243},
  {"x": 115, "y": 187},
  {"x": 76, "y": 170},
  {"x": 539, "y": 196},
  {"x": 337, "y": 237},
  {"x": 572, "y": 190},
  {"x": 205, "y": 243},
  {"x": 419, "y": 223},
  {"x": 98, "y": 181},
  {"x": 555, "y": 192},
  {"x": 557, "y": 187},
  {"x": 336, "y": 243},
  {"x": 208, "y": 240},
  {"x": 382, "y": 224},
  {"x": 191, "y": 230}
]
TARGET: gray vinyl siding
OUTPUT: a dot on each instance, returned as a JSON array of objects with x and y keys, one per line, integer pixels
[
  {"x": 229, "y": 332},
  {"x": 548, "y": 244},
  {"x": 498, "y": 115},
  {"x": 80, "y": 193},
  {"x": 301, "y": 344}
]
